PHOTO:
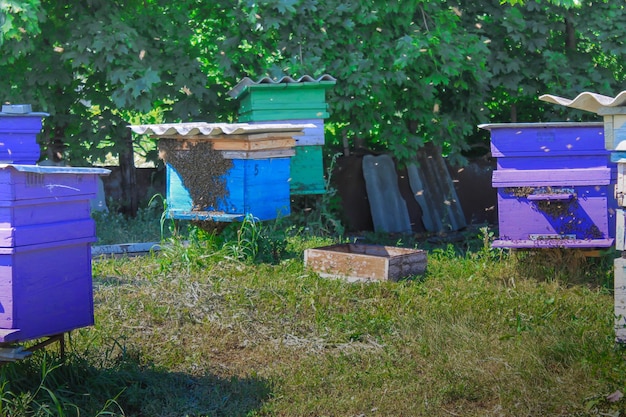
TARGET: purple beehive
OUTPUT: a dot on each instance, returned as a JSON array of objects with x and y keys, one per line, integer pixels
[
  {"x": 19, "y": 128},
  {"x": 46, "y": 232},
  {"x": 554, "y": 185}
]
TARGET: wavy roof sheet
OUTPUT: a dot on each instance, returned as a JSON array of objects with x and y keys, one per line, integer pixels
[
  {"x": 215, "y": 129},
  {"x": 246, "y": 82},
  {"x": 588, "y": 101}
]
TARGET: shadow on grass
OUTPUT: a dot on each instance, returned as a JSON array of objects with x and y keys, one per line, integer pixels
[{"x": 76, "y": 386}]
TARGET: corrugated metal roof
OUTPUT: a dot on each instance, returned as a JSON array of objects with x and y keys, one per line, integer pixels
[
  {"x": 215, "y": 129},
  {"x": 246, "y": 82},
  {"x": 587, "y": 101}
]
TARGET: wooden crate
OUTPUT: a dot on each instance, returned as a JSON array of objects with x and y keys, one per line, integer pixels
[{"x": 357, "y": 262}]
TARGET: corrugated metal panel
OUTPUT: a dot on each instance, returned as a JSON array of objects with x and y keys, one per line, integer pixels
[
  {"x": 587, "y": 101},
  {"x": 434, "y": 191},
  {"x": 388, "y": 208},
  {"x": 246, "y": 82},
  {"x": 215, "y": 129}
]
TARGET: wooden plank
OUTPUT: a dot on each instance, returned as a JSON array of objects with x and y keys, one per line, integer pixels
[
  {"x": 233, "y": 143},
  {"x": 619, "y": 303}
]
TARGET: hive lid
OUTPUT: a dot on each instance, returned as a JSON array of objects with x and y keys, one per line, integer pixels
[
  {"x": 587, "y": 101},
  {"x": 38, "y": 169},
  {"x": 216, "y": 129},
  {"x": 323, "y": 81},
  {"x": 22, "y": 110},
  {"x": 493, "y": 126}
]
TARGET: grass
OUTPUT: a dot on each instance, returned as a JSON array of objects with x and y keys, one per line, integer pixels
[{"x": 234, "y": 325}]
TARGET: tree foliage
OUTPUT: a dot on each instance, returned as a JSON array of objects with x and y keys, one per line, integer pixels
[{"x": 408, "y": 72}]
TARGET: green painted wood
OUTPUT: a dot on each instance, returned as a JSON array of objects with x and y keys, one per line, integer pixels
[
  {"x": 307, "y": 171},
  {"x": 263, "y": 102},
  {"x": 283, "y": 114}
]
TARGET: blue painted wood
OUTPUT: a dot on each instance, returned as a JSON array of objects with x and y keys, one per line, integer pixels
[{"x": 256, "y": 187}]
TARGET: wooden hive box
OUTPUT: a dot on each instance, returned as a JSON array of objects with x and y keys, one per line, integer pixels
[
  {"x": 225, "y": 172},
  {"x": 278, "y": 101},
  {"x": 45, "y": 250},
  {"x": 555, "y": 185},
  {"x": 293, "y": 102},
  {"x": 19, "y": 128},
  {"x": 357, "y": 262},
  {"x": 256, "y": 187}
]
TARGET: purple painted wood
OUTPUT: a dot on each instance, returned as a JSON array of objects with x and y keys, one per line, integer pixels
[
  {"x": 546, "y": 139},
  {"x": 550, "y": 177},
  {"x": 554, "y": 162},
  {"x": 583, "y": 217},
  {"x": 45, "y": 252},
  {"x": 47, "y": 232},
  {"x": 42, "y": 211},
  {"x": 554, "y": 184},
  {"x": 18, "y": 137},
  {"x": 45, "y": 289},
  {"x": 553, "y": 243}
]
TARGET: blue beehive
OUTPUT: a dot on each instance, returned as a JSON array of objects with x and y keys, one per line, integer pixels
[{"x": 224, "y": 172}]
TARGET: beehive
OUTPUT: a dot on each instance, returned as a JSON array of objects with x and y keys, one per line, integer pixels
[
  {"x": 19, "y": 127},
  {"x": 225, "y": 172},
  {"x": 286, "y": 100},
  {"x": 45, "y": 250},
  {"x": 554, "y": 183}
]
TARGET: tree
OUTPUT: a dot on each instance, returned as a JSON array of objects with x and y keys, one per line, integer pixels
[
  {"x": 540, "y": 48},
  {"x": 96, "y": 64},
  {"x": 407, "y": 72}
]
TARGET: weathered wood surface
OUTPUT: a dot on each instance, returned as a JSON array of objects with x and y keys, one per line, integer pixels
[
  {"x": 355, "y": 262},
  {"x": 235, "y": 142},
  {"x": 620, "y": 299}
]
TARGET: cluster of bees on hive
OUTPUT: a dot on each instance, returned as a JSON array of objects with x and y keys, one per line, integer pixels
[
  {"x": 559, "y": 209},
  {"x": 201, "y": 168}
]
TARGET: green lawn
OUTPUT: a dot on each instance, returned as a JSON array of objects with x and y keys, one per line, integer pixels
[{"x": 236, "y": 326}]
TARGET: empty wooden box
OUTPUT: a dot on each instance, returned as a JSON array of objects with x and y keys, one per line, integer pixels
[{"x": 357, "y": 262}]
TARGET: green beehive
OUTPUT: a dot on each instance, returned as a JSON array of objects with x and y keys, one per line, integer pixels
[{"x": 287, "y": 100}]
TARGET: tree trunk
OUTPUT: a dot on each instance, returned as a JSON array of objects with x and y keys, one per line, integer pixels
[
  {"x": 570, "y": 34},
  {"x": 130, "y": 200}
]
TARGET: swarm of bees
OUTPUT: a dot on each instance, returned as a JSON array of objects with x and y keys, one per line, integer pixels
[{"x": 201, "y": 168}]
